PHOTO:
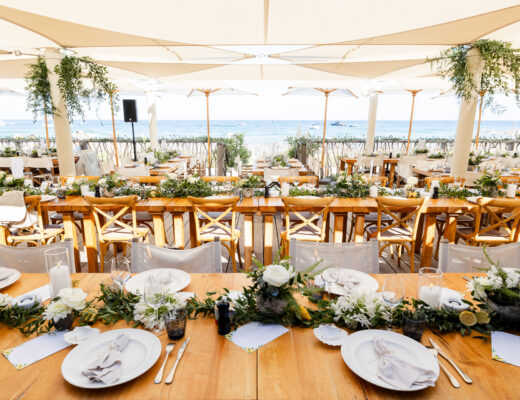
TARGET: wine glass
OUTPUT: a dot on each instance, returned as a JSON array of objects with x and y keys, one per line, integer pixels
[
  {"x": 154, "y": 292},
  {"x": 393, "y": 292},
  {"x": 120, "y": 271}
]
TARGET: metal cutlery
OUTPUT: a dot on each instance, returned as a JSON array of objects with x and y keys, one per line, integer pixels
[
  {"x": 158, "y": 377},
  {"x": 169, "y": 378},
  {"x": 466, "y": 378},
  {"x": 452, "y": 379}
]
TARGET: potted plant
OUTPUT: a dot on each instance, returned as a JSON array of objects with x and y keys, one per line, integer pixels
[
  {"x": 249, "y": 184},
  {"x": 62, "y": 310}
]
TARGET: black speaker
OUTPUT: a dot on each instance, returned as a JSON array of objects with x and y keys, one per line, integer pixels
[{"x": 130, "y": 110}]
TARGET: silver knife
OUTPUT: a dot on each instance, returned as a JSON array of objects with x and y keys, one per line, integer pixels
[
  {"x": 169, "y": 378},
  {"x": 466, "y": 378}
]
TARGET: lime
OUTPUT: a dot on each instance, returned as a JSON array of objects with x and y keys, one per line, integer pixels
[
  {"x": 482, "y": 317},
  {"x": 467, "y": 318}
]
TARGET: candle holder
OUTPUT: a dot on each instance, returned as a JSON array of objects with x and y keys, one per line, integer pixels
[
  {"x": 429, "y": 286},
  {"x": 58, "y": 269}
]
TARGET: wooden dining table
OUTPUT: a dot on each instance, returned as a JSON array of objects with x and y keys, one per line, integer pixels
[
  {"x": 347, "y": 164},
  {"x": 293, "y": 366}
]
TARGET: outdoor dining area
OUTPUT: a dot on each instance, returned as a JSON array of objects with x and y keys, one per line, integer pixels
[{"x": 213, "y": 267}]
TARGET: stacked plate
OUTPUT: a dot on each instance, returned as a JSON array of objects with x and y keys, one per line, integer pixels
[
  {"x": 175, "y": 279},
  {"x": 8, "y": 276}
]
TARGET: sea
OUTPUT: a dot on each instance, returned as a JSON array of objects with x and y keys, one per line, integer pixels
[{"x": 262, "y": 131}]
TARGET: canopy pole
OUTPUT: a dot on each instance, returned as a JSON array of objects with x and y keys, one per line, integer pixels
[
  {"x": 467, "y": 110},
  {"x": 324, "y": 130},
  {"x": 481, "y": 94},
  {"x": 207, "y": 122},
  {"x": 371, "y": 124},
  {"x": 110, "y": 94},
  {"x": 46, "y": 129},
  {"x": 62, "y": 132},
  {"x": 414, "y": 93},
  {"x": 152, "y": 120}
]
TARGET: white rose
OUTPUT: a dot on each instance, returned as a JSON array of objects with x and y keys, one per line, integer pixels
[
  {"x": 276, "y": 275},
  {"x": 73, "y": 298},
  {"x": 102, "y": 182},
  {"x": 412, "y": 180},
  {"x": 192, "y": 179},
  {"x": 173, "y": 176},
  {"x": 9, "y": 179}
]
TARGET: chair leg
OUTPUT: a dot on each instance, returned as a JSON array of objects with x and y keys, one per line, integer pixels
[
  {"x": 412, "y": 253},
  {"x": 238, "y": 254},
  {"x": 232, "y": 255},
  {"x": 102, "y": 250},
  {"x": 115, "y": 249}
]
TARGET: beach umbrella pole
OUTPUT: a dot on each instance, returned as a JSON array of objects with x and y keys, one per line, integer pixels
[
  {"x": 207, "y": 122},
  {"x": 414, "y": 93},
  {"x": 481, "y": 93},
  {"x": 324, "y": 132},
  {"x": 114, "y": 128},
  {"x": 46, "y": 130}
]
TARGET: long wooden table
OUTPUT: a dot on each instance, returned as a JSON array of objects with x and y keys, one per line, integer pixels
[{"x": 294, "y": 366}]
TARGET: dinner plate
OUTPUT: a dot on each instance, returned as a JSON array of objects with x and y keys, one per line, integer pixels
[
  {"x": 176, "y": 278},
  {"x": 142, "y": 352},
  {"x": 12, "y": 278},
  {"x": 358, "y": 353},
  {"x": 366, "y": 282}
]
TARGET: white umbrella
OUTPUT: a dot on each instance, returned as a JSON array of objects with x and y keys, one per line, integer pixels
[{"x": 312, "y": 91}]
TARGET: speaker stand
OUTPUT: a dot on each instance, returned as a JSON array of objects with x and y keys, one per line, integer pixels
[{"x": 133, "y": 142}]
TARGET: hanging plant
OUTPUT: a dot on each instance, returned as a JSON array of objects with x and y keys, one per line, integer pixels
[
  {"x": 80, "y": 81},
  {"x": 501, "y": 69}
]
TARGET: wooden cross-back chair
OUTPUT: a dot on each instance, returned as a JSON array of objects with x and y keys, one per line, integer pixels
[
  {"x": 220, "y": 178},
  {"x": 442, "y": 179},
  {"x": 38, "y": 234},
  {"x": 302, "y": 217},
  {"x": 209, "y": 216},
  {"x": 63, "y": 179},
  {"x": 376, "y": 179},
  {"x": 398, "y": 232},
  {"x": 147, "y": 180},
  {"x": 108, "y": 214},
  {"x": 502, "y": 218},
  {"x": 299, "y": 180}
]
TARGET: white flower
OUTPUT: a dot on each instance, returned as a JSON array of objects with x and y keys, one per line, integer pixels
[
  {"x": 136, "y": 186},
  {"x": 102, "y": 182},
  {"x": 73, "y": 298},
  {"x": 192, "y": 179},
  {"x": 476, "y": 286},
  {"x": 2, "y": 174},
  {"x": 276, "y": 275},
  {"x": 360, "y": 309},
  {"x": 513, "y": 279},
  {"x": 9, "y": 179},
  {"x": 56, "y": 310},
  {"x": 154, "y": 319},
  {"x": 5, "y": 300},
  {"x": 173, "y": 176},
  {"x": 412, "y": 180}
]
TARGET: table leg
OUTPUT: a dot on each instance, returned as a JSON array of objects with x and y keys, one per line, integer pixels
[
  {"x": 427, "y": 244},
  {"x": 450, "y": 229},
  {"x": 158, "y": 228},
  {"x": 4, "y": 233},
  {"x": 339, "y": 223},
  {"x": 178, "y": 230},
  {"x": 45, "y": 217},
  {"x": 193, "y": 231},
  {"x": 268, "y": 239},
  {"x": 89, "y": 229},
  {"x": 359, "y": 228},
  {"x": 248, "y": 240},
  {"x": 327, "y": 226},
  {"x": 70, "y": 233},
  {"x": 349, "y": 169},
  {"x": 392, "y": 175},
  {"x": 420, "y": 230}
]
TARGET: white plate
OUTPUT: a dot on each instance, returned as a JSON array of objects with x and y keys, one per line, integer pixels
[
  {"x": 366, "y": 283},
  {"x": 178, "y": 279},
  {"x": 358, "y": 353},
  {"x": 330, "y": 334},
  {"x": 12, "y": 278},
  {"x": 140, "y": 355}
]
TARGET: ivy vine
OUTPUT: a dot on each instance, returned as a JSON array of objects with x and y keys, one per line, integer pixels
[{"x": 501, "y": 69}]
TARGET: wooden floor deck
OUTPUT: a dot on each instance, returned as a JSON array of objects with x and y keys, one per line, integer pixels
[{"x": 387, "y": 263}]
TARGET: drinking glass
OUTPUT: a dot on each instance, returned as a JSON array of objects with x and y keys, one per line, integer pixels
[
  {"x": 175, "y": 324},
  {"x": 120, "y": 271},
  {"x": 458, "y": 181},
  {"x": 392, "y": 292},
  {"x": 154, "y": 292}
]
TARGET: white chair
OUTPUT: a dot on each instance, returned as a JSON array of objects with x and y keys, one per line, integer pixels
[
  {"x": 38, "y": 163},
  {"x": 361, "y": 256},
  {"x": 32, "y": 259},
  {"x": 142, "y": 170},
  {"x": 203, "y": 259},
  {"x": 462, "y": 258},
  {"x": 88, "y": 164}
]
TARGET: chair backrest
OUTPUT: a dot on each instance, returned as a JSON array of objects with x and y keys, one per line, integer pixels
[
  {"x": 220, "y": 178},
  {"x": 299, "y": 180},
  {"x": 119, "y": 206},
  {"x": 203, "y": 259},
  {"x": 272, "y": 174},
  {"x": 12, "y": 207},
  {"x": 142, "y": 170},
  {"x": 147, "y": 180},
  {"x": 442, "y": 179},
  {"x": 65, "y": 178},
  {"x": 361, "y": 256},
  {"x": 224, "y": 205},
  {"x": 296, "y": 205},
  {"x": 34, "y": 217},
  {"x": 402, "y": 211},
  {"x": 463, "y": 258},
  {"x": 38, "y": 162},
  {"x": 32, "y": 259},
  {"x": 376, "y": 179},
  {"x": 88, "y": 163},
  {"x": 502, "y": 214}
]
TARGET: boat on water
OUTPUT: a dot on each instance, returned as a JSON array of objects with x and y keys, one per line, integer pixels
[
  {"x": 315, "y": 126},
  {"x": 353, "y": 125},
  {"x": 339, "y": 123}
]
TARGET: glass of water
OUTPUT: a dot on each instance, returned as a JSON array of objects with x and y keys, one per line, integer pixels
[{"x": 120, "y": 271}]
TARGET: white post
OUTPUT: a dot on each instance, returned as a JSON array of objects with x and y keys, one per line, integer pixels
[
  {"x": 371, "y": 124},
  {"x": 152, "y": 119},
  {"x": 467, "y": 111},
  {"x": 62, "y": 133}
]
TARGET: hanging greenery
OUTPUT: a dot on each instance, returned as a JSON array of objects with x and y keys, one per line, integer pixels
[
  {"x": 501, "y": 69},
  {"x": 80, "y": 81}
]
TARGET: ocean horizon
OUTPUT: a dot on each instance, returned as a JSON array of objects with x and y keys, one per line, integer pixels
[{"x": 262, "y": 131}]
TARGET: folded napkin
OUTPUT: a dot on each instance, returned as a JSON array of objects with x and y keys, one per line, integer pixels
[
  {"x": 5, "y": 273},
  {"x": 106, "y": 368},
  {"x": 397, "y": 372},
  {"x": 505, "y": 347}
]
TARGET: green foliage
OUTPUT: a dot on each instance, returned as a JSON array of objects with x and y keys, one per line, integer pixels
[
  {"x": 180, "y": 188},
  {"x": 279, "y": 160},
  {"x": 164, "y": 156},
  {"x": 311, "y": 142},
  {"x": 303, "y": 191},
  {"x": 501, "y": 66},
  {"x": 113, "y": 305},
  {"x": 349, "y": 187},
  {"x": 251, "y": 182},
  {"x": 235, "y": 147},
  {"x": 487, "y": 185},
  {"x": 438, "y": 156},
  {"x": 447, "y": 192},
  {"x": 38, "y": 89},
  {"x": 476, "y": 160},
  {"x": 9, "y": 152},
  {"x": 26, "y": 320},
  {"x": 421, "y": 151}
]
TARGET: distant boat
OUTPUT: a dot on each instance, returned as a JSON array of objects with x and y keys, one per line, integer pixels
[
  {"x": 315, "y": 126},
  {"x": 354, "y": 125},
  {"x": 339, "y": 123}
]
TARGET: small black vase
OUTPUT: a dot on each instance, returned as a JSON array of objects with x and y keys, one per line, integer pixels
[{"x": 64, "y": 323}]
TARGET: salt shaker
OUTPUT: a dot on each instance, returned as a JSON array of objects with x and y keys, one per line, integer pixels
[{"x": 223, "y": 319}]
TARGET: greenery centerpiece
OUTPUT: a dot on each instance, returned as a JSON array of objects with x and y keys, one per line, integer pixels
[
  {"x": 488, "y": 184},
  {"x": 438, "y": 156},
  {"x": 352, "y": 186},
  {"x": 451, "y": 192},
  {"x": 249, "y": 184},
  {"x": 188, "y": 186},
  {"x": 279, "y": 160},
  {"x": 304, "y": 190},
  {"x": 421, "y": 151}
]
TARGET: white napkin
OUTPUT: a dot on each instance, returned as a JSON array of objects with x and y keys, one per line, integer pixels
[
  {"x": 106, "y": 368},
  {"x": 505, "y": 347},
  {"x": 399, "y": 373},
  {"x": 254, "y": 335}
]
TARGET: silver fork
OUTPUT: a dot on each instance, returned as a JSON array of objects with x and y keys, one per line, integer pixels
[
  {"x": 452, "y": 379},
  {"x": 159, "y": 376}
]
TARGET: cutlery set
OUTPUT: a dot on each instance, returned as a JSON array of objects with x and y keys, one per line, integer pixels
[
  {"x": 169, "y": 348},
  {"x": 436, "y": 350}
]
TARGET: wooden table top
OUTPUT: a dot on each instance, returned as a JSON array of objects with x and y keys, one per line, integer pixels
[{"x": 294, "y": 366}]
